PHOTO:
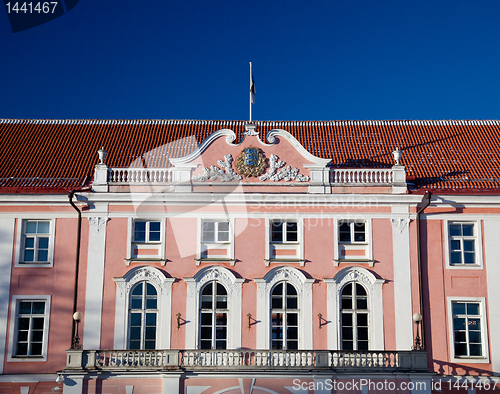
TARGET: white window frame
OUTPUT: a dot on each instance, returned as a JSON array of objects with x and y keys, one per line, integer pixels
[
  {"x": 485, "y": 359},
  {"x": 368, "y": 242},
  {"x": 284, "y": 231},
  {"x": 354, "y": 311},
  {"x": 478, "y": 245},
  {"x": 226, "y": 244},
  {"x": 216, "y": 231},
  {"x": 148, "y": 230},
  {"x": 284, "y": 311},
  {"x": 213, "y": 311},
  {"x": 299, "y": 243},
  {"x": 351, "y": 228},
  {"x": 143, "y": 311},
  {"x": 303, "y": 286},
  {"x": 163, "y": 287},
  {"x": 234, "y": 317},
  {"x": 131, "y": 242},
  {"x": 16, "y": 299},
  {"x": 20, "y": 241},
  {"x": 373, "y": 287}
]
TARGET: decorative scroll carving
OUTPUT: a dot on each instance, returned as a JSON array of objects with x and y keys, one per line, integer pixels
[
  {"x": 400, "y": 223},
  {"x": 286, "y": 173},
  {"x": 97, "y": 223},
  {"x": 225, "y": 173}
]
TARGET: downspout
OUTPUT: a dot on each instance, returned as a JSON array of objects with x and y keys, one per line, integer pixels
[
  {"x": 426, "y": 200},
  {"x": 77, "y": 262}
]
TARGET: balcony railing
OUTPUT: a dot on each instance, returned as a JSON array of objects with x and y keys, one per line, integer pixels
[
  {"x": 140, "y": 175},
  {"x": 130, "y": 360},
  {"x": 361, "y": 176}
]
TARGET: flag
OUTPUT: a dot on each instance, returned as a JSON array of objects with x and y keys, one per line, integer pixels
[{"x": 252, "y": 86}]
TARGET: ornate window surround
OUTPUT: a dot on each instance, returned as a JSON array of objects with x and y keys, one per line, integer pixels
[
  {"x": 163, "y": 287},
  {"x": 304, "y": 289},
  {"x": 375, "y": 305},
  {"x": 234, "y": 289}
]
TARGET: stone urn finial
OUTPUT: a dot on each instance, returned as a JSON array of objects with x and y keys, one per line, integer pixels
[
  {"x": 397, "y": 156},
  {"x": 102, "y": 155}
]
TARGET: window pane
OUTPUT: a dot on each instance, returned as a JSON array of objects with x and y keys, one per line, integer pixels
[
  {"x": 43, "y": 227},
  {"x": 150, "y": 289},
  {"x": 460, "y": 349},
  {"x": 456, "y": 258},
  {"x": 347, "y": 290},
  {"x": 475, "y": 337},
  {"x": 134, "y": 345},
  {"x": 458, "y": 324},
  {"x": 292, "y": 319},
  {"x": 292, "y": 345},
  {"x": 30, "y": 227},
  {"x": 151, "y": 303},
  {"x": 29, "y": 255},
  {"x": 221, "y": 290},
  {"x": 469, "y": 258},
  {"x": 467, "y": 230},
  {"x": 37, "y": 323},
  {"x": 458, "y": 308},
  {"x": 25, "y": 307},
  {"x": 29, "y": 243},
  {"x": 363, "y": 319},
  {"x": 208, "y": 232},
  {"x": 290, "y": 289},
  {"x": 292, "y": 333},
  {"x": 363, "y": 333},
  {"x": 22, "y": 336},
  {"x": 223, "y": 236},
  {"x": 455, "y": 245},
  {"x": 277, "y": 319},
  {"x": 206, "y": 302},
  {"x": 360, "y": 290},
  {"x": 206, "y": 333},
  {"x": 37, "y": 336},
  {"x": 472, "y": 309},
  {"x": 346, "y": 303},
  {"x": 291, "y": 302},
  {"x": 475, "y": 350},
  {"x": 150, "y": 319},
  {"x": 150, "y": 333},
  {"x": 460, "y": 336},
  {"x": 154, "y": 231},
  {"x": 361, "y": 303},
  {"x": 346, "y": 319},
  {"x": 38, "y": 308},
  {"x": 43, "y": 255},
  {"x": 347, "y": 345},
  {"x": 206, "y": 319},
  {"x": 150, "y": 345},
  {"x": 277, "y": 302},
  {"x": 347, "y": 333},
  {"x": 43, "y": 243},
  {"x": 468, "y": 245},
  {"x": 22, "y": 349},
  {"x": 135, "y": 333},
  {"x": 135, "y": 319},
  {"x": 206, "y": 344},
  {"x": 140, "y": 231},
  {"x": 221, "y": 319},
  {"x": 221, "y": 302},
  {"x": 276, "y": 232},
  {"x": 291, "y": 234},
  {"x": 362, "y": 345},
  {"x": 455, "y": 229},
  {"x": 24, "y": 323},
  {"x": 36, "y": 349},
  {"x": 154, "y": 226},
  {"x": 474, "y": 324}
]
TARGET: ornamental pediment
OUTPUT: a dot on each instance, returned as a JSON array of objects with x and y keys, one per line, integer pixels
[{"x": 281, "y": 158}]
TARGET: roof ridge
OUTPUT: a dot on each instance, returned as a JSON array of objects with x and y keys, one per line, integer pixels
[{"x": 269, "y": 123}]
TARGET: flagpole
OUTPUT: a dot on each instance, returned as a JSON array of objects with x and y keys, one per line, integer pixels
[{"x": 251, "y": 92}]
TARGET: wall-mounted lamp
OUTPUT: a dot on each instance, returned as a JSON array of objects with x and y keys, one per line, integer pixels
[
  {"x": 178, "y": 320},
  {"x": 319, "y": 318},
  {"x": 75, "y": 343},
  {"x": 417, "y": 318}
]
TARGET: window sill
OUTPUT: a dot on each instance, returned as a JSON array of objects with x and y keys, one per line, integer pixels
[
  {"x": 145, "y": 260},
  {"x": 269, "y": 261},
  {"x": 370, "y": 263},
  {"x": 26, "y": 359},
  {"x": 471, "y": 360},
  {"x": 465, "y": 266},
  {"x": 46, "y": 264},
  {"x": 215, "y": 260}
]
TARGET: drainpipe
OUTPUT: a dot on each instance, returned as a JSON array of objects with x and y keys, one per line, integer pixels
[
  {"x": 426, "y": 200},
  {"x": 77, "y": 263}
]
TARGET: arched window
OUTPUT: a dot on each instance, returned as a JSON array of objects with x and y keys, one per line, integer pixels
[
  {"x": 284, "y": 317},
  {"x": 213, "y": 316},
  {"x": 354, "y": 317},
  {"x": 143, "y": 313}
]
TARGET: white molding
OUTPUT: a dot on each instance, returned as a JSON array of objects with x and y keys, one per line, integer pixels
[
  {"x": 271, "y": 138},
  {"x": 233, "y": 286},
  {"x": 478, "y": 244},
  {"x": 163, "y": 286},
  {"x": 12, "y": 328},
  {"x": 95, "y": 282},
  {"x": 20, "y": 236},
  {"x": 6, "y": 246},
  {"x": 375, "y": 302},
  {"x": 403, "y": 307},
  {"x": 484, "y": 332},
  {"x": 182, "y": 161},
  {"x": 492, "y": 251},
  {"x": 264, "y": 288}
]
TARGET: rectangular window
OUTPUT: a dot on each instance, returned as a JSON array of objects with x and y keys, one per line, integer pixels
[
  {"x": 147, "y": 231},
  {"x": 284, "y": 231},
  {"x": 467, "y": 329},
  {"x": 352, "y": 232},
  {"x": 462, "y": 243},
  {"x": 35, "y": 241},
  {"x": 30, "y": 328},
  {"x": 215, "y": 232}
]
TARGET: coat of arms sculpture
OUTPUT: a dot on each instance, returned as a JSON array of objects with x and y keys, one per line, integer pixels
[{"x": 251, "y": 162}]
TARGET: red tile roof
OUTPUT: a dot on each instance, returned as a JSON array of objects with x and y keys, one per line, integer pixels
[{"x": 57, "y": 155}]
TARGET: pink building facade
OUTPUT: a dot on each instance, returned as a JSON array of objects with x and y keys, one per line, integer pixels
[{"x": 242, "y": 262}]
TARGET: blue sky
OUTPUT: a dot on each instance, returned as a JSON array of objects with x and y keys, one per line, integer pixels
[{"x": 317, "y": 60}]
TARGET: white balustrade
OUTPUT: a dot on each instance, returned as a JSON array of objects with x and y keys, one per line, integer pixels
[
  {"x": 246, "y": 359},
  {"x": 140, "y": 175},
  {"x": 361, "y": 176}
]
